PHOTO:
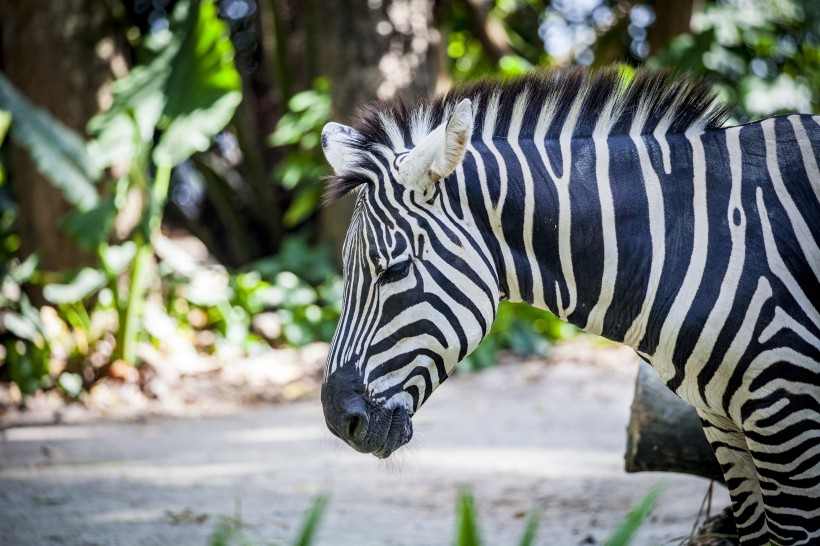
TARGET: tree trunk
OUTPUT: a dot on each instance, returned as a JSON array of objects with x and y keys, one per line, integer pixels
[
  {"x": 672, "y": 18},
  {"x": 664, "y": 432},
  {"x": 59, "y": 55},
  {"x": 374, "y": 49}
]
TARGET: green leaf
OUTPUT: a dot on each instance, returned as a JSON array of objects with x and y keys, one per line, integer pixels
[
  {"x": 20, "y": 326},
  {"x": 116, "y": 258},
  {"x": 23, "y": 272},
  {"x": 85, "y": 283},
  {"x": 310, "y": 525},
  {"x": 70, "y": 383},
  {"x": 229, "y": 533},
  {"x": 467, "y": 531},
  {"x": 5, "y": 123},
  {"x": 57, "y": 151},
  {"x": 90, "y": 228},
  {"x": 528, "y": 538},
  {"x": 303, "y": 205},
  {"x": 204, "y": 87},
  {"x": 622, "y": 536},
  {"x": 138, "y": 102},
  {"x": 190, "y": 89},
  {"x": 175, "y": 258}
]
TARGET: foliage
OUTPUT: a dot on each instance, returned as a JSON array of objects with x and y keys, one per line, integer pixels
[
  {"x": 521, "y": 328},
  {"x": 57, "y": 151},
  {"x": 467, "y": 529},
  {"x": 253, "y": 199},
  {"x": 308, "y": 295},
  {"x": 229, "y": 532},
  {"x": 24, "y": 342},
  {"x": 519, "y": 21},
  {"x": 303, "y": 303},
  {"x": 764, "y": 56},
  {"x": 303, "y": 165},
  {"x": 622, "y": 536},
  {"x": 188, "y": 92},
  {"x": 185, "y": 91}
]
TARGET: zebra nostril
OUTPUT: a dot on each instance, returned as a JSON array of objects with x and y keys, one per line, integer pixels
[
  {"x": 355, "y": 425},
  {"x": 352, "y": 425}
]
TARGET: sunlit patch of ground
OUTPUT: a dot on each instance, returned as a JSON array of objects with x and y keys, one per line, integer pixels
[{"x": 524, "y": 436}]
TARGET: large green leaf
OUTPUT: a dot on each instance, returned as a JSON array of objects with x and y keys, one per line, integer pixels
[
  {"x": 139, "y": 98},
  {"x": 19, "y": 326},
  {"x": 57, "y": 151},
  {"x": 204, "y": 87},
  {"x": 190, "y": 90},
  {"x": 90, "y": 228},
  {"x": 86, "y": 282}
]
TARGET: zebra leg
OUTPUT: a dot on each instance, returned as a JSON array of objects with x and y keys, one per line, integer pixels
[
  {"x": 729, "y": 444},
  {"x": 786, "y": 452}
]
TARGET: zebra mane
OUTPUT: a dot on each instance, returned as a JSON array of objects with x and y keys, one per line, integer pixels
[{"x": 652, "y": 98}]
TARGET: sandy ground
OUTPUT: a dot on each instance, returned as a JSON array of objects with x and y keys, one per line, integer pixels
[{"x": 522, "y": 437}]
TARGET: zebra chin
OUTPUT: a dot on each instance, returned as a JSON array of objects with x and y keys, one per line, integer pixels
[{"x": 399, "y": 432}]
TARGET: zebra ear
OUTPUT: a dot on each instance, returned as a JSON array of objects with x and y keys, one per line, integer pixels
[
  {"x": 339, "y": 143},
  {"x": 439, "y": 153}
]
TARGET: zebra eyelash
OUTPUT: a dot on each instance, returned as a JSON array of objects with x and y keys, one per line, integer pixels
[{"x": 395, "y": 272}]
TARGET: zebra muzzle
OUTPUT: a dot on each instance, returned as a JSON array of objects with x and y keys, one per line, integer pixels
[{"x": 364, "y": 425}]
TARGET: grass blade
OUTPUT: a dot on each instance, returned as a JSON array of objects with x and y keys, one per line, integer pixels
[
  {"x": 311, "y": 524},
  {"x": 622, "y": 536},
  {"x": 467, "y": 531},
  {"x": 528, "y": 538}
]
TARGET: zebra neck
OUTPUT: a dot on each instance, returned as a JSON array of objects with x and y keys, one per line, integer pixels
[{"x": 573, "y": 226}]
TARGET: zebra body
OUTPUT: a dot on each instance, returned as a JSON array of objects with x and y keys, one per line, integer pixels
[{"x": 622, "y": 209}]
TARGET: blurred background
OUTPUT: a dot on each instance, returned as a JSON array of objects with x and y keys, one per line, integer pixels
[
  {"x": 161, "y": 171},
  {"x": 162, "y": 239}
]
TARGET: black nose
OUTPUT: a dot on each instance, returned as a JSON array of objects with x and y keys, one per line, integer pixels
[
  {"x": 345, "y": 408},
  {"x": 346, "y": 416},
  {"x": 354, "y": 424}
]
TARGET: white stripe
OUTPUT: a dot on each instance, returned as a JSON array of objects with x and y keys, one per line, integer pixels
[
  {"x": 529, "y": 197},
  {"x": 738, "y": 348},
  {"x": 801, "y": 230},
  {"x": 778, "y": 267},
  {"x": 657, "y": 233},
  {"x": 697, "y": 264},
  {"x": 495, "y": 214},
  {"x": 469, "y": 224},
  {"x": 545, "y": 119},
  {"x": 663, "y": 142},
  {"x": 595, "y": 322},
  {"x": 809, "y": 161},
  {"x": 764, "y": 361},
  {"x": 731, "y": 279},
  {"x": 782, "y": 320},
  {"x": 369, "y": 310}
]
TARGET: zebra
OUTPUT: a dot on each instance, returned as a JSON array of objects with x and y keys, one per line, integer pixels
[{"x": 620, "y": 205}]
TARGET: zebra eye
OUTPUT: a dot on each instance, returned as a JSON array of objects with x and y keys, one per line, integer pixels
[{"x": 395, "y": 272}]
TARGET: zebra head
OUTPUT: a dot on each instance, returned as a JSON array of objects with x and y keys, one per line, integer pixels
[{"x": 415, "y": 303}]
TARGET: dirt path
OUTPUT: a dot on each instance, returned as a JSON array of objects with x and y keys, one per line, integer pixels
[{"x": 519, "y": 436}]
